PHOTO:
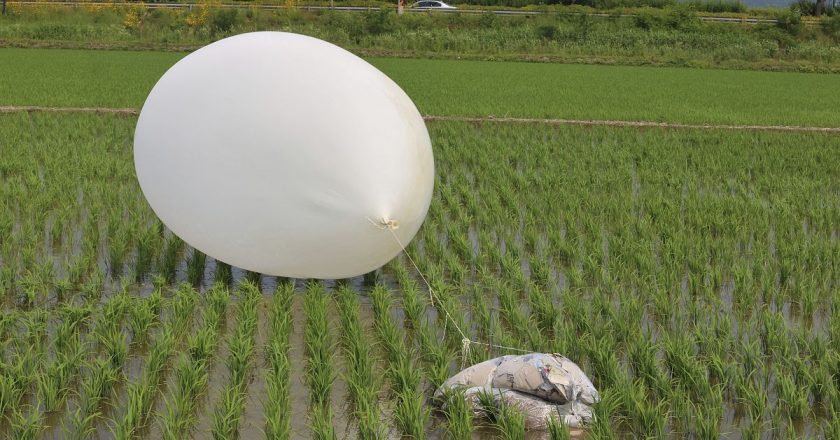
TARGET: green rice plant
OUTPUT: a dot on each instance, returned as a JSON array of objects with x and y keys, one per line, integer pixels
[
  {"x": 218, "y": 297},
  {"x": 81, "y": 427},
  {"x": 141, "y": 394},
  {"x": 795, "y": 400},
  {"x": 94, "y": 389},
  {"x": 389, "y": 334},
  {"x": 254, "y": 278},
  {"x": 603, "y": 412},
  {"x": 752, "y": 396},
  {"x": 223, "y": 273},
  {"x": 117, "y": 248},
  {"x": 831, "y": 428},
  {"x": 320, "y": 422},
  {"x": 411, "y": 413},
  {"x": 141, "y": 317},
  {"x": 147, "y": 244},
  {"x": 507, "y": 419},
  {"x": 171, "y": 255},
  {"x": 191, "y": 373},
  {"x": 754, "y": 429},
  {"x": 648, "y": 419},
  {"x": 26, "y": 426},
  {"x": 179, "y": 413},
  {"x": 707, "y": 421},
  {"x": 115, "y": 343},
  {"x": 319, "y": 374},
  {"x": 195, "y": 267},
  {"x": 459, "y": 416},
  {"x": 52, "y": 384},
  {"x": 557, "y": 429},
  {"x": 277, "y": 404},
  {"x": 226, "y": 418},
  {"x": 362, "y": 385},
  {"x": 241, "y": 344}
]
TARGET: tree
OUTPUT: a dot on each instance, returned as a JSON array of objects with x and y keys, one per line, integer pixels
[{"x": 820, "y": 8}]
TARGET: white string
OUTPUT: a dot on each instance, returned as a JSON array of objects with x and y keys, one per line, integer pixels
[{"x": 390, "y": 225}]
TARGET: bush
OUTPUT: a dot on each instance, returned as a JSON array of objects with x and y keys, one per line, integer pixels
[
  {"x": 805, "y": 7},
  {"x": 683, "y": 18},
  {"x": 224, "y": 20},
  {"x": 377, "y": 22},
  {"x": 487, "y": 20},
  {"x": 718, "y": 5},
  {"x": 646, "y": 21},
  {"x": 831, "y": 27},
  {"x": 790, "y": 21},
  {"x": 546, "y": 31}
]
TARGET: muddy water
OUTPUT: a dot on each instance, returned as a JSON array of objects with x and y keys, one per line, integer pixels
[{"x": 252, "y": 421}]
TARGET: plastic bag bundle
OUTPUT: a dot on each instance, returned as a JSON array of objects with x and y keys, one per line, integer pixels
[{"x": 540, "y": 385}]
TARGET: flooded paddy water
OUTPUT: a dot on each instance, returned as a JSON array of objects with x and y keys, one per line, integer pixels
[{"x": 693, "y": 276}]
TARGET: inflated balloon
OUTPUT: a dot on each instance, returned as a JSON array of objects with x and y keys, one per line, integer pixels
[{"x": 285, "y": 155}]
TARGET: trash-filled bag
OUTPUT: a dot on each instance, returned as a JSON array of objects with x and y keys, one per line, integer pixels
[
  {"x": 540, "y": 385},
  {"x": 536, "y": 411}
]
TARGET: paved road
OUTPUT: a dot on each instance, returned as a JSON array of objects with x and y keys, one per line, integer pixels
[{"x": 363, "y": 8}]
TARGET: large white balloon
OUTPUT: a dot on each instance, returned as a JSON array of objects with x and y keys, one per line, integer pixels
[{"x": 281, "y": 154}]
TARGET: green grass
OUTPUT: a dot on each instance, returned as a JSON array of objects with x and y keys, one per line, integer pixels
[{"x": 470, "y": 88}]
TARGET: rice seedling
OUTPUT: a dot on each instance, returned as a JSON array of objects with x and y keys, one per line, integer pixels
[
  {"x": 241, "y": 345},
  {"x": 171, "y": 254},
  {"x": 362, "y": 385},
  {"x": 26, "y": 426},
  {"x": 507, "y": 419},
  {"x": 141, "y": 317},
  {"x": 141, "y": 393},
  {"x": 195, "y": 267},
  {"x": 459, "y": 416},
  {"x": 95, "y": 388},
  {"x": 223, "y": 274},
  {"x": 191, "y": 372},
  {"x": 277, "y": 404},
  {"x": 557, "y": 430},
  {"x": 320, "y": 421},
  {"x": 319, "y": 374}
]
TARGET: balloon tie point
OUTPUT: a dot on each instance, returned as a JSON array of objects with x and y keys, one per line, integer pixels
[{"x": 385, "y": 223}]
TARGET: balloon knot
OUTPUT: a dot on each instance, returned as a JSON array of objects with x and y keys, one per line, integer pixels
[
  {"x": 385, "y": 223},
  {"x": 389, "y": 223}
]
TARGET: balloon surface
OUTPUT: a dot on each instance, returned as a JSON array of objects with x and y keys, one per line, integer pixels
[{"x": 284, "y": 154}]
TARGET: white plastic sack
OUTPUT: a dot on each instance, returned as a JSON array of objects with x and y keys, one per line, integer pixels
[
  {"x": 278, "y": 153},
  {"x": 536, "y": 411},
  {"x": 540, "y": 385}
]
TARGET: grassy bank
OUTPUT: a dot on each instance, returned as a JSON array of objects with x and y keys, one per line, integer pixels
[{"x": 673, "y": 36}]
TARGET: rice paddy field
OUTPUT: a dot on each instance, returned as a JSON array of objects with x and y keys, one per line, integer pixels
[{"x": 694, "y": 274}]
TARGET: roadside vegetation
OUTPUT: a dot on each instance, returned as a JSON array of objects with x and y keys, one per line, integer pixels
[{"x": 673, "y": 36}]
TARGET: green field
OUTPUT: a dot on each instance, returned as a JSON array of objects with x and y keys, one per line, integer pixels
[
  {"x": 692, "y": 274},
  {"x": 472, "y": 88}
]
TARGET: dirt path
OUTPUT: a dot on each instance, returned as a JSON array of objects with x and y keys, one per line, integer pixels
[
  {"x": 636, "y": 124},
  {"x": 486, "y": 119},
  {"x": 39, "y": 109}
]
